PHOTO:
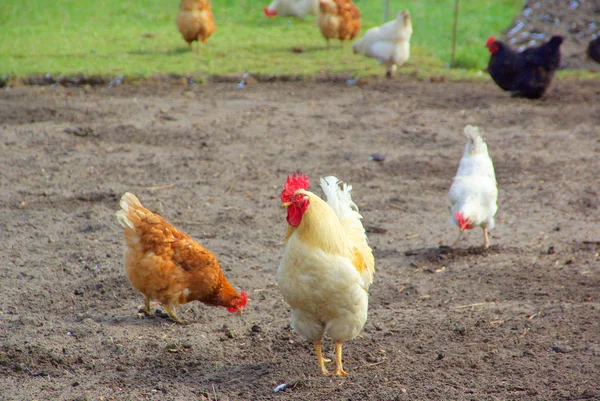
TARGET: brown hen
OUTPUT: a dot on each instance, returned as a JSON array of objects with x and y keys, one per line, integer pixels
[
  {"x": 195, "y": 21},
  {"x": 164, "y": 263},
  {"x": 338, "y": 19}
]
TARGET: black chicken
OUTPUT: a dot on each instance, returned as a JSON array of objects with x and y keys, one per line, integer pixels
[
  {"x": 526, "y": 74},
  {"x": 593, "y": 50}
]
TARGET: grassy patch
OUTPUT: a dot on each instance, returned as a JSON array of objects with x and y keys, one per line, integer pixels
[{"x": 135, "y": 37}]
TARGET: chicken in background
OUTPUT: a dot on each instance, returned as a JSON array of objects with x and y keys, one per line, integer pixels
[
  {"x": 164, "y": 263},
  {"x": 292, "y": 8},
  {"x": 338, "y": 19},
  {"x": 388, "y": 43},
  {"x": 527, "y": 74},
  {"x": 327, "y": 266},
  {"x": 593, "y": 50},
  {"x": 195, "y": 21},
  {"x": 473, "y": 195}
]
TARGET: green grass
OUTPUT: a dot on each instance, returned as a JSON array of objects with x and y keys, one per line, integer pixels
[{"x": 108, "y": 38}]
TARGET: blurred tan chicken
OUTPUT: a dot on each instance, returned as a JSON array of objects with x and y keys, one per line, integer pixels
[
  {"x": 338, "y": 19},
  {"x": 195, "y": 21}
]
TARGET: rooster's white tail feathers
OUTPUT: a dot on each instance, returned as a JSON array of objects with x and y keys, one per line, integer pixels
[
  {"x": 339, "y": 197},
  {"x": 340, "y": 200}
]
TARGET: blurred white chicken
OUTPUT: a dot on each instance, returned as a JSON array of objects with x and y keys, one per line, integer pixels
[
  {"x": 292, "y": 8},
  {"x": 388, "y": 43},
  {"x": 473, "y": 195}
]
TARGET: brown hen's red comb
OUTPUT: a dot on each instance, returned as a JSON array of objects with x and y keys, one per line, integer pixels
[{"x": 293, "y": 184}]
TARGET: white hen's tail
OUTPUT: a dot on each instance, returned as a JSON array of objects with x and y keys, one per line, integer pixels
[{"x": 476, "y": 144}]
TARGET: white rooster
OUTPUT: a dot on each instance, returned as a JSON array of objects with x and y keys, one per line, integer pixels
[
  {"x": 388, "y": 43},
  {"x": 327, "y": 266},
  {"x": 473, "y": 195}
]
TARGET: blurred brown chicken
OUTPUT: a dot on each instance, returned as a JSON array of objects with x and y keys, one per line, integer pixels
[
  {"x": 166, "y": 264},
  {"x": 195, "y": 21},
  {"x": 338, "y": 19}
]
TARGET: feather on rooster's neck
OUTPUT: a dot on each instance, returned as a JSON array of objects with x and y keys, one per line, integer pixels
[{"x": 320, "y": 226}]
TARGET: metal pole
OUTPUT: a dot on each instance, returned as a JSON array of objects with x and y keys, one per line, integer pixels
[
  {"x": 386, "y": 10},
  {"x": 454, "y": 33}
]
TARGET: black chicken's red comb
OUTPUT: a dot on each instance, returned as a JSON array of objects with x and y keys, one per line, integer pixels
[{"x": 293, "y": 183}]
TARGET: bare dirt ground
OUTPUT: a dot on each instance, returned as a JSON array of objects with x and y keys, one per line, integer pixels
[{"x": 519, "y": 321}]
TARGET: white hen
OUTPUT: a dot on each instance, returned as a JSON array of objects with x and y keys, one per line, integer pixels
[
  {"x": 473, "y": 195},
  {"x": 292, "y": 8},
  {"x": 388, "y": 43}
]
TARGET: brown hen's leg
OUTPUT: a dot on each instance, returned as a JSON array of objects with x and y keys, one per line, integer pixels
[
  {"x": 171, "y": 312},
  {"x": 146, "y": 310},
  {"x": 486, "y": 240},
  {"x": 339, "y": 370},
  {"x": 321, "y": 361}
]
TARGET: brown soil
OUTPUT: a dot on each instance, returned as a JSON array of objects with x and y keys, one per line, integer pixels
[
  {"x": 578, "y": 21},
  {"x": 516, "y": 322}
]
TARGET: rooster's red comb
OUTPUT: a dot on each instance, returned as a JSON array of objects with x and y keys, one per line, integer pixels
[
  {"x": 293, "y": 183},
  {"x": 490, "y": 41}
]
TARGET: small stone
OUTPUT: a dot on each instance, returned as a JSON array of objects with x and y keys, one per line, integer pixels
[
  {"x": 377, "y": 157},
  {"x": 256, "y": 329},
  {"x": 562, "y": 349},
  {"x": 171, "y": 347}
]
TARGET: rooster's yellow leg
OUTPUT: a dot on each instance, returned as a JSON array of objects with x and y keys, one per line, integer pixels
[
  {"x": 339, "y": 370},
  {"x": 320, "y": 358},
  {"x": 172, "y": 313},
  {"x": 486, "y": 240}
]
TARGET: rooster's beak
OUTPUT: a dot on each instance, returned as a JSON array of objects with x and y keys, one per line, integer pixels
[{"x": 286, "y": 204}]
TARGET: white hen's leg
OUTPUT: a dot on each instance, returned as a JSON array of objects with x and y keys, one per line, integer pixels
[
  {"x": 486, "y": 240},
  {"x": 460, "y": 234}
]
